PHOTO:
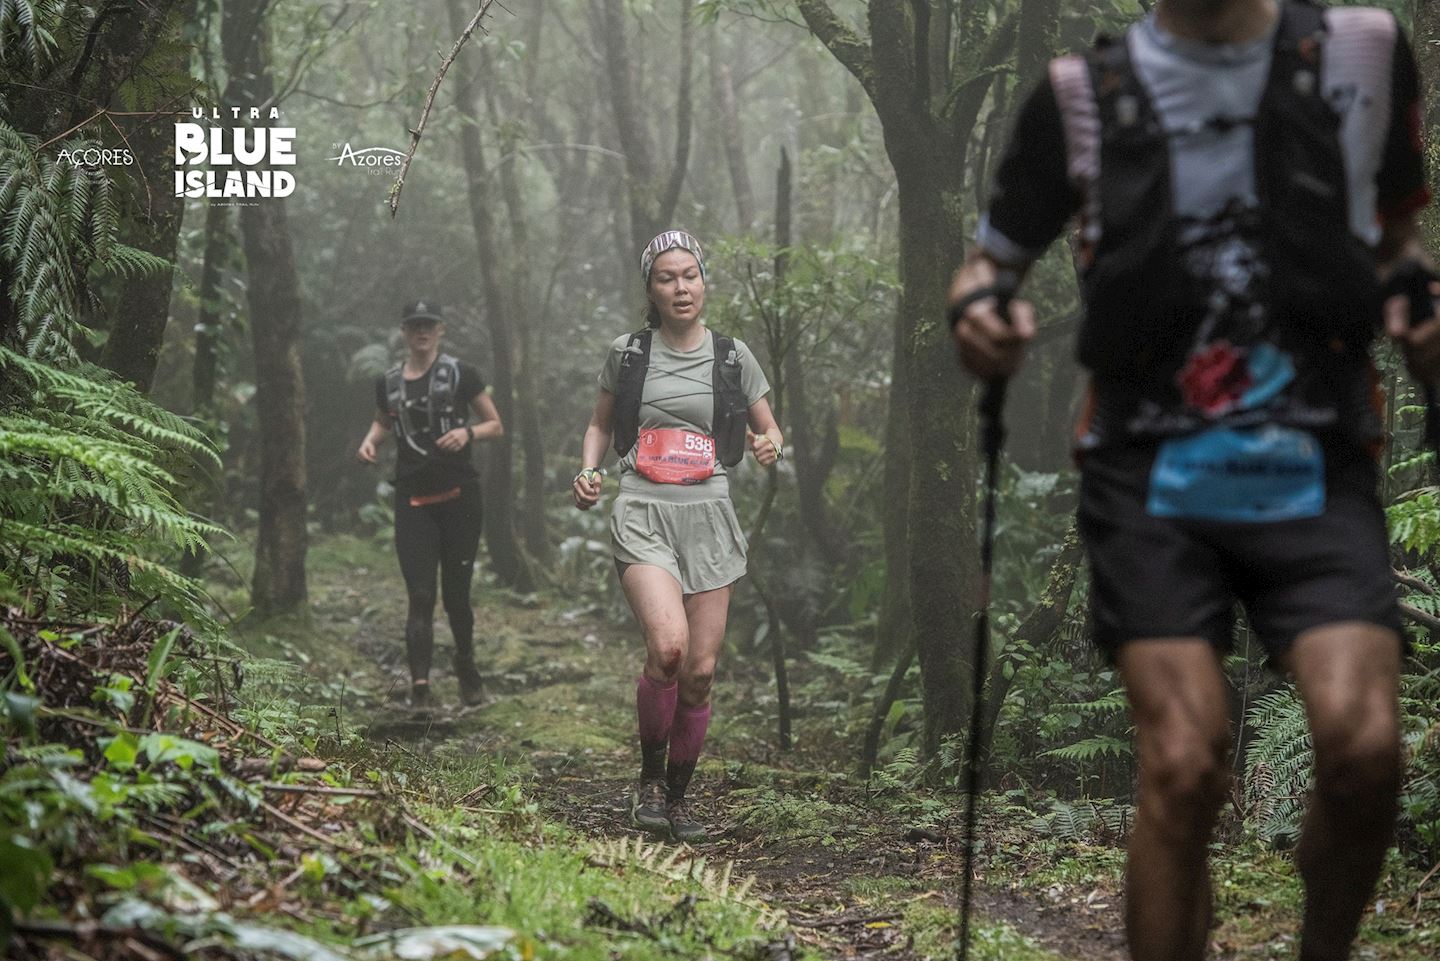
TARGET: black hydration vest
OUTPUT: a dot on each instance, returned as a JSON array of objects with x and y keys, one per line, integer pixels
[
  {"x": 1142, "y": 308},
  {"x": 442, "y": 412},
  {"x": 730, "y": 413}
]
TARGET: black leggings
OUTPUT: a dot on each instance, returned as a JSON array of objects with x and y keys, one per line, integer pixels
[{"x": 447, "y": 535}]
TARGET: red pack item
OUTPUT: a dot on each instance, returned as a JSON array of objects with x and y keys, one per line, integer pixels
[{"x": 674, "y": 456}]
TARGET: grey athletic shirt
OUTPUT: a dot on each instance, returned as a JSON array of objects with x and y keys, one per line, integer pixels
[{"x": 679, "y": 394}]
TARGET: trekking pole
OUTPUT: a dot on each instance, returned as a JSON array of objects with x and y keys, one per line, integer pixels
[
  {"x": 1413, "y": 279},
  {"x": 992, "y": 439}
]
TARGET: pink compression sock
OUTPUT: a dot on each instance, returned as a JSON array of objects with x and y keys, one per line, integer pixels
[
  {"x": 655, "y": 709},
  {"x": 687, "y": 737}
]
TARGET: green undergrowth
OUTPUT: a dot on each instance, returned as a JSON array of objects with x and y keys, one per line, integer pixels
[
  {"x": 236, "y": 836},
  {"x": 934, "y": 924}
]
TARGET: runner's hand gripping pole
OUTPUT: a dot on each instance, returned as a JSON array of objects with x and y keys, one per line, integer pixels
[
  {"x": 1412, "y": 280},
  {"x": 992, "y": 439}
]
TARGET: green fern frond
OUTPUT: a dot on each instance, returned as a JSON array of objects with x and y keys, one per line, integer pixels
[
  {"x": 29, "y": 24},
  {"x": 128, "y": 262},
  {"x": 1090, "y": 749},
  {"x": 1278, "y": 764}
]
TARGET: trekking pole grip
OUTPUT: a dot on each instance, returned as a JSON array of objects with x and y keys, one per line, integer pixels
[{"x": 992, "y": 400}]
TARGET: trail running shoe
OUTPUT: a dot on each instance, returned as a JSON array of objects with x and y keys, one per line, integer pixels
[
  {"x": 683, "y": 826},
  {"x": 647, "y": 807}
]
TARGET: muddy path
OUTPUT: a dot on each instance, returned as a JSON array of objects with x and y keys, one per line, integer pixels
[{"x": 856, "y": 876}]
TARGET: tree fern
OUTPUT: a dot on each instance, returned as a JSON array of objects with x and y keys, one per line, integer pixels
[
  {"x": 57, "y": 221},
  {"x": 89, "y": 486},
  {"x": 1278, "y": 765},
  {"x": 25, "y": 37}
]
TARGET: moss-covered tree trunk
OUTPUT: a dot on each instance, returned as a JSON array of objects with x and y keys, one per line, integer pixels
[
  {"x": 132, "y": 349},
  {"x": 929, "y": 85},
  {"x": 1426, "y": 37},
  {"x": 273, "y": 296},
  {"x": 500, "y": 541}
]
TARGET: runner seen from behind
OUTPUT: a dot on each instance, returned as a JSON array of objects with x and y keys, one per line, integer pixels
[
  {"x": 1246, "y": 174},
  {"x": 681, "y": 403}
]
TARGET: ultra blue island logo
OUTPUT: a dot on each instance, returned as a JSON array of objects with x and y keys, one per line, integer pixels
[{"x": 235, "y": 160}]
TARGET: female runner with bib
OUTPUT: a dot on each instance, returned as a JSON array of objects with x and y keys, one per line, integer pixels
[{"x": 678, "y": 545}]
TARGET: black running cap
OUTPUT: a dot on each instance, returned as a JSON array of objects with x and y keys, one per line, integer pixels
[{"x": 421, "y": 310}]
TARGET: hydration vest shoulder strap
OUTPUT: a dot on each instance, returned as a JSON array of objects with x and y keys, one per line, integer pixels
[
  {"x": 444, "y": 384},
  {"x": 395, "y": 401},
  {"x": 731, "y": 411},
  {"x": 630, "y": 385}
]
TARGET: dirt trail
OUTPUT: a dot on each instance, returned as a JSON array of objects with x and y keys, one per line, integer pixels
[{"x": 560, "y": 693}]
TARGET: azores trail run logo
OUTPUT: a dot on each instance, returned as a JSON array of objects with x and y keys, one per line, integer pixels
[{"x": 370, "y": 159}]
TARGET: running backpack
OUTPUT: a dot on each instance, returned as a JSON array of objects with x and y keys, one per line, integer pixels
[
  {"x": 1141, "y": 307},
  {"x": 442, "y": 413},
  {"x": 731, "y": 410}
]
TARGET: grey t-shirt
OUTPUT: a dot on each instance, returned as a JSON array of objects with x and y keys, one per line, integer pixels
[{"x": 679, "y": 394}]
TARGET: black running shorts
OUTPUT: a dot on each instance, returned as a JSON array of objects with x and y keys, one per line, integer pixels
[{"x": 1156, "y": 577}]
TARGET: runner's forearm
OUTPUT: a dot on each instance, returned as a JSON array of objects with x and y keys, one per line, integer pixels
[
  {"x": 486, "y": 430},
  {"x": 593, "y": 448},
  {"x": 378, "y": 431}
]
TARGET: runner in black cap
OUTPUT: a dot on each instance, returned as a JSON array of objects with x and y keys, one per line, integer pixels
[{"x": 427, "y": 402}]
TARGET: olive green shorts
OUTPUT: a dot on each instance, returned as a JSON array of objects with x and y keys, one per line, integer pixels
[{"x": 699, "y": 543}]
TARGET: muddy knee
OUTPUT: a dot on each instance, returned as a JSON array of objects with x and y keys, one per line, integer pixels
[{"x": 665, "y": 653}]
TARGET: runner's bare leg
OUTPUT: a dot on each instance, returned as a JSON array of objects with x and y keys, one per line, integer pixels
[
  {"x": 1348, "y": 675},
  {"x": 1177, "y": 699},
  {"x": 655, "y": 597},
  {"x": 706, "y": 614}
]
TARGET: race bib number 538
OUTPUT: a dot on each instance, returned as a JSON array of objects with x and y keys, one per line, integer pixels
[{"x": 673, "y": 456}]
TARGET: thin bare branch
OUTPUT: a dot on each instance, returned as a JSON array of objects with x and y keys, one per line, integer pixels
[{"x": 419, "y": 129}]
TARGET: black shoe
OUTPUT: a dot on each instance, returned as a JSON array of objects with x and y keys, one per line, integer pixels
[
  {"x": 420, "y": 699},
  {"x": 647, "y": 806},
  {"x": 683, "y": 825}
]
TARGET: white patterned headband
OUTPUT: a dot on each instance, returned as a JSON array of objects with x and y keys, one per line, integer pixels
[{"x": 670, "y": 240}]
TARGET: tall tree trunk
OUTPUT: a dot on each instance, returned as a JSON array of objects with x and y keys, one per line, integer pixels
[
  {"x": 814, "y": 457},
  {"x": 1426, "y": 38},
  {"x": 777, "y": 341},
  {"x": 653, "y": 196},
  {"x": 205, "y": 374},
  {"x": 523, "y": 314},
  {"x": 505, "y": 557},
  {"x": 722, "y": 88},
  {"x": 927, "y": 128},
  {"x": 896, "y": 626},
  {"x": 275, "y": 316},
  {"x": 133, "y": 347}
]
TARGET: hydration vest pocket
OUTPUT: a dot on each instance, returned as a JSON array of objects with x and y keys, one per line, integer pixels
[{"x": 674, "y": 456}]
